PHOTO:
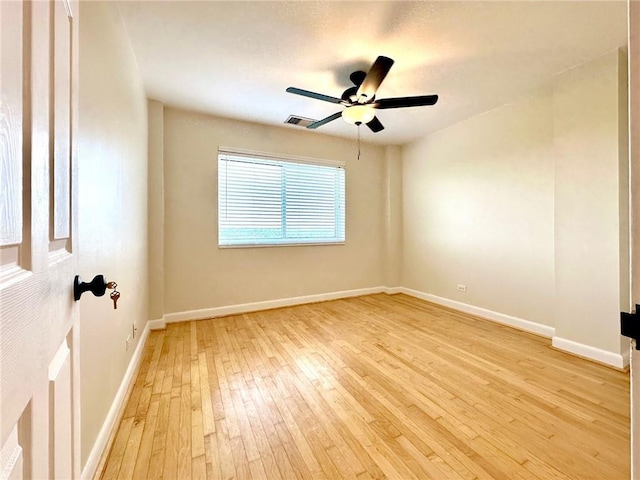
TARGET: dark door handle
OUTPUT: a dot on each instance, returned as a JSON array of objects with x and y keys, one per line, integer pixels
[{"x": 97, "y": 286}]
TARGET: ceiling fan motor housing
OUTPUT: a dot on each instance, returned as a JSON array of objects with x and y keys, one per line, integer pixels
[
  {"x": 350, "y": 94},
  {"x": 357, "y": 77}
]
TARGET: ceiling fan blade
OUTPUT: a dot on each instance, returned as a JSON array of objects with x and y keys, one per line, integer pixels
[
  {"x": 375, "y": 125},
  {"x": 328, "y": 119},
  {"x": 374, "y": 78},
  {"x": 401, "y": 102},
  {"x": 317, "y": 96}
]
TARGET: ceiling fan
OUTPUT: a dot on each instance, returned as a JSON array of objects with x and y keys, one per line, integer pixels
[{"x": 360, "y": 100}]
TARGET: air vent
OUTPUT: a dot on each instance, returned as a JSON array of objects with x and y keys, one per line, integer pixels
[{"x": 299, "y": 121}]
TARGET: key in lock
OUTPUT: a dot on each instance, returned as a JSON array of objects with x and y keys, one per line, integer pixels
[{"x": 115, "y": 295}]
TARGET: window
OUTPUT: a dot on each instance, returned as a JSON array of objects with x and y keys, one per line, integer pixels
[{"x": 269, "y": 200}]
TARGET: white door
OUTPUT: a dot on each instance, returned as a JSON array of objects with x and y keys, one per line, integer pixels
[
  {"x": 634, "y": 103},
  {"x": 39, "y": 391}
]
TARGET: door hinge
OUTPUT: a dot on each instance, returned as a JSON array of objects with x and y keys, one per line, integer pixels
[{"x": 630, "y": 325}]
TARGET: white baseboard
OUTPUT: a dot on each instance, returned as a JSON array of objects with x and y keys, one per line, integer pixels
[
  {"x": 392, "y": 290},
  {"x": 585, "y": 351},
  {"x": 519, "y": 323},
  {"x": 603, "y": 356},
  {"x": 266, "y": 305},
  {"x": 113, "y": 416},
  {"x": 157, "y": 324}
]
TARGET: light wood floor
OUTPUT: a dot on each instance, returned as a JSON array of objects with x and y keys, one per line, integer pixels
[{"x": 376, "y": 386}]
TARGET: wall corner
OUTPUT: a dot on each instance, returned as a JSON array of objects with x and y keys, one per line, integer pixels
[
  {"x": 392, "y": 211},
  {"x": 156, "y": 208}
]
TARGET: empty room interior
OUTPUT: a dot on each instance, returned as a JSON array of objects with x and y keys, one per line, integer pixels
[
  {"x": 462, "y": 317},
  {"x": 506, "y": 200}
]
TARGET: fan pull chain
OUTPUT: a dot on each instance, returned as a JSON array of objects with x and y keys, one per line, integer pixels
[{"x": 358, "y": 141}]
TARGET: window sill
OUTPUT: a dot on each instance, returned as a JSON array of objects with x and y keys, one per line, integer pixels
[{"x": 262, "y": 245}]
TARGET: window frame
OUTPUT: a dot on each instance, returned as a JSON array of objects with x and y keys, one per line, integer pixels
[{"x": 250, "y": 155}]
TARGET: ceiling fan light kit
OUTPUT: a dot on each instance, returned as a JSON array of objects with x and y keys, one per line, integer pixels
[
  {"x": 360, "y": 100},
  {"x": 358, "y": 114}
]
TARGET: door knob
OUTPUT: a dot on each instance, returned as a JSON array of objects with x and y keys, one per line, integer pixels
[{"x": 98, "y": 286}]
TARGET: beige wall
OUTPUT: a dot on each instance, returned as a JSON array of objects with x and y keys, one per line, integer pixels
[
  {"x": 523, "y": 205},
  {"x": 199, "y": 275},
  {"x": 112, "y": 174},
  {"x": 590, "y": 169},
  {"x": 478, "y": 211}
]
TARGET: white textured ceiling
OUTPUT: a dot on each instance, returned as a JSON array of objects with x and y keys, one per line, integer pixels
[{"x": 235, "y": 59}]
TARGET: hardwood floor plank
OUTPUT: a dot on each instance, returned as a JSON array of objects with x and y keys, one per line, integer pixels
[
  {"x": 239, "y": 396},
  {"x": 223, "y": 444},
  {"x": 144, "y": 384},
  {"x": 138, "y": 387},
  {"x": 212, "y": 374},
  {"x": 198, "y": 468},
  {"x": 240, "y": 460},
  {"x": 368, "y": 387},
  {"x": 170, "y": 351},
  {"x": 161, "y": 350},
  {"x": 257, "y": 470},
  {"x": 112, "y": 466},
  {"x": 208, "y": 419},
  {"x": 261, "y": 424},
  {"x": 170, "y": 454},
  {"x": 132, "y": 449},
  {"x": 432, "y": 465},
  {"x": 156, "y": 463},
  {"x": 141, "y": 468},
  {"x": 197, "y": 416},
  {"x": 301, "y": 433},
  {"x": 212, "y": 458},
  {"x": 185, "y": 453},
  {"x": 197, "y": 421}
]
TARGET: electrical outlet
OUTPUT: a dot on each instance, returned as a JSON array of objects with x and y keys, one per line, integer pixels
[
  {"x": 462, "y": 288},
  {"x": 134, "y": 330},
  {"x": 128, "y": 343}
]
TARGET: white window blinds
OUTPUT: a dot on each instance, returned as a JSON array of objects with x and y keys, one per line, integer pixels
[{"x": 267, "y": 200}]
